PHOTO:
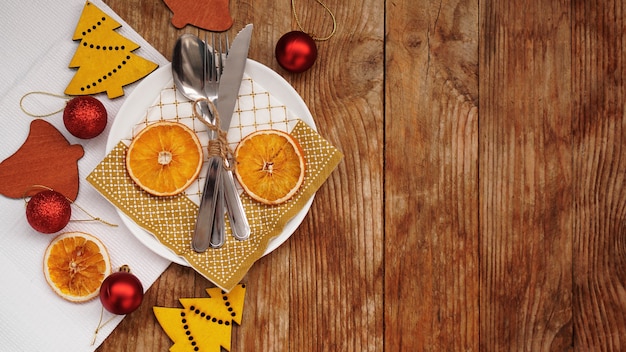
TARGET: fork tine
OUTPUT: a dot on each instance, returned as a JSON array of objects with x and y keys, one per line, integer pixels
[
  {"x": 220, "y": 63},
  {"x": 227, "y": 44}
]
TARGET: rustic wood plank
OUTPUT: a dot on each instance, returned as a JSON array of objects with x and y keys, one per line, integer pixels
[
  {"x": 599, "y": 120},
  {"x": 431, "y": 184},
  {"x": 526, "y": 187},
  {"x": 323, "y": 289},
  {"x": 336, "y": 256}
]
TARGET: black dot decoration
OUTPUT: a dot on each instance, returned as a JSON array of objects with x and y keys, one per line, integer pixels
[
  {"x": 94, "y": 27},
  {"x": 108, "y": 74}
]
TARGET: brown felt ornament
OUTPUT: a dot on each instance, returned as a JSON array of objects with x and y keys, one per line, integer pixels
[
  {"x": 210, "y": 15},
  {"x": 45, "y": 158}
]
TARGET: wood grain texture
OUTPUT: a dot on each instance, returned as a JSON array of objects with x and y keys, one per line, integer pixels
[
  {"x": 526, "y": 185},
  {"x": 599, "y": 163},
  {"x": 431, "y": 183},
  {"x": 444, "y": 228},
  {"x": 323, "y": 289}
]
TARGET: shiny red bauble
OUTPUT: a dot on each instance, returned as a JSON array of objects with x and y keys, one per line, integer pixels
[
  {"x": 85, "y": 117},
  {"x": 296, "y": 51},
  {"x": 121, "y": 292},
  {"x": 48, "y": 211}
]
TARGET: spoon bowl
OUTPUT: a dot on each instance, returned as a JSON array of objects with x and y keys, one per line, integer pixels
[{"x": 188, "y": 66}]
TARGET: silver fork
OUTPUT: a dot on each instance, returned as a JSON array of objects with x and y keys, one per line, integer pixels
[
  {"x": 214, "y": 71},
  {"x": 209, "y": 230}
]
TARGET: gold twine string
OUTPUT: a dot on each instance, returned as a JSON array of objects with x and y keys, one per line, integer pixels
[
  {"x": 27, "y": 112},
  {"x": 93, "y": 218},
  {"x": 100, "y": 326},
  {"x": 293, "y": 8},
  {"x": 218, "y": 146}
]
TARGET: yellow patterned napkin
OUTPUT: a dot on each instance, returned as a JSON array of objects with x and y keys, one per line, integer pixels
[{"x": 172, "y": 219}]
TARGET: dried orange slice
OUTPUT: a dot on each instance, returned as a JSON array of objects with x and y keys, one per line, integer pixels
[
  {"x": 164, "y": 158},
  {"x": 270, "y": 166},
  {"x": 75, "y": 264}
]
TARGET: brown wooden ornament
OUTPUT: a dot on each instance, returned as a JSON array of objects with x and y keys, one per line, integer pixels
[
  {"x": 211, "y": 15},
  {"x": 46, "y": 158}
]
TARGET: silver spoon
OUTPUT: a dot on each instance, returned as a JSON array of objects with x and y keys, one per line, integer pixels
[{"x": 188, "y": 64}]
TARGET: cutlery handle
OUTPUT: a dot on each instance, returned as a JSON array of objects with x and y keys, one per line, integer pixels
[
  {"x": 206, "y": 212},
  {"x": 236, "y": 214},
  {"x": 218, "y": 236}
]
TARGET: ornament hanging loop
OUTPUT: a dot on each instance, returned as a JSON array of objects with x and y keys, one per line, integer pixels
[
  {"x": 31, "y": 114},
  {"x": 321, "y": 39},
  {"x": 100, "y": 325}
]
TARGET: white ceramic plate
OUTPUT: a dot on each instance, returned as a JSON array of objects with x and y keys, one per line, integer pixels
[{"x": 145, "y": 94}]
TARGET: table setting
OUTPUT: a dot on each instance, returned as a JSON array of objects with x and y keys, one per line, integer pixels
[
  {"x": 85, "y": 165},
  {"x": 476, "y": 203}
]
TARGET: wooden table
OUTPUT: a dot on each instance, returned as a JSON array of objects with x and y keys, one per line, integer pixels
[{"x": 445, "y": 228}]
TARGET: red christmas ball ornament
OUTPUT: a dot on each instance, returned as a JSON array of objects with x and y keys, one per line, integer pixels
[
  {"x": 85, "y": 117},
  {"x": 48, "y": 211},
  {"x": 296, "y": 51},
  {"x": 121, "y": 292}
]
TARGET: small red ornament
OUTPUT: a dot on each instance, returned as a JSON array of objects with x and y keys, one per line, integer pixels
[
  {"x": 85, "y": 117},
  {"x": 296, "y": 51},
  {"x": 48, "y": 211},
  {"x": 121, "y": 292}
]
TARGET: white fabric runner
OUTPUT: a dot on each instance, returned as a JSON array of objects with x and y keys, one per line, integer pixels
[{"x": 36, "y": 49}]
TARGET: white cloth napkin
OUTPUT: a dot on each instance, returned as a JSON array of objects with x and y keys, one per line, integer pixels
[{"x": 37, "y": 48}]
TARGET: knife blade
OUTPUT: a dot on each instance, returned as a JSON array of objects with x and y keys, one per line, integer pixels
[
  {"x": 234, "y": 67},
  {"x": 230, "y": 81}
]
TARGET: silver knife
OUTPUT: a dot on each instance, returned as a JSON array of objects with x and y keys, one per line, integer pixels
[{"x": 230, "y": 81}]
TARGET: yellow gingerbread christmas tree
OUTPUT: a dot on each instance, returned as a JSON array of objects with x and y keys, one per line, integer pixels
[
  {"x": 104, "y": 58},
  {"x": 204, "y": 324}
]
